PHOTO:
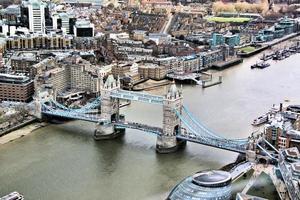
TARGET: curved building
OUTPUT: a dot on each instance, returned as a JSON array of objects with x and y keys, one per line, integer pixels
[{"x": 204, "y": 185}]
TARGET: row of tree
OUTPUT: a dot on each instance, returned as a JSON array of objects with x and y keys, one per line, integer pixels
[{"x": 261, "y": 7}]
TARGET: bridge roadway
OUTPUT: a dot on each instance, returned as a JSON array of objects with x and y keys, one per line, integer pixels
[
  {"x": 138, "y": 96},
  {"x": 213, "y": 142},
  {"x": 70, "y": 114},
  {"x": 139, "y": 126},
  {"x": 240, "y": 169},
  {"x": 195, "y": 131}
]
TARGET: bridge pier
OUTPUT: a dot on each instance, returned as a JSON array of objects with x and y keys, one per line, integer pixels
[
  {"x": 167, "y": 141},
  {"x": 107, "y": 131},
  {"x": 168, "y": 144}
]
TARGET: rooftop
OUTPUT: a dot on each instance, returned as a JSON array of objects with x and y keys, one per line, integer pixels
[
  {"x": 14, "y": 78},
  {"x": 215, "y": 178},
  {"x": 296, "y": 167},
  {"x": 292, "y": 152}
]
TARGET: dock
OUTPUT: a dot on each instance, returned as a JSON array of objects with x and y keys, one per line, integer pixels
[
  {"x": 227, "y": 63},
  {"x": 184, "y": 77},
  {"x": 210, "y": 83}
]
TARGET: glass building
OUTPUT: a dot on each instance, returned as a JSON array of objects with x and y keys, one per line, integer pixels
[{"x": 204, "y": 185}]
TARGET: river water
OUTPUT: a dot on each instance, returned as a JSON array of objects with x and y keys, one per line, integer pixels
[{"x": 64, "y": 162}]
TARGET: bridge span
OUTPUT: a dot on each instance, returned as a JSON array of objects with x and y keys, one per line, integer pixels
[{"x": 179, "y": 124}]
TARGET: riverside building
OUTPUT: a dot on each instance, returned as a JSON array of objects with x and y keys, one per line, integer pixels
[{"x": 16, "y": 88}]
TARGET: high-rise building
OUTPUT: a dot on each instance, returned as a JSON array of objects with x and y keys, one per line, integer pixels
[
  {"x": 64, "y": 21},
  {"x": 33, "y": 13}
]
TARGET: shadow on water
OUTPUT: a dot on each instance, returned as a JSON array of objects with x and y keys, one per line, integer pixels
[{"x": 109, "y": 154}]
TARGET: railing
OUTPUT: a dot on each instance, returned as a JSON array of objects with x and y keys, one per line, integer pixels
[
  {"x": 139, "y": 126},
  {"x": 96, "y": 103},
  {"x": 198, "y": 133},
  {"x": 137, "y": 96},
  {"x": 70, "y": 114}
]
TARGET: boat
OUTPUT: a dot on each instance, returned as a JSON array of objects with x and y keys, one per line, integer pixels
[
  {"x": 13, "y": 196},
  {"x": 260, "y": 65},
  {"x": 260, "y": 120},
  {"x": 266, "y": 57},
  {"x": 294, "y": 108}
]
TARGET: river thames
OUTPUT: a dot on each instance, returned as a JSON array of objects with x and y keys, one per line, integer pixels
[{"x": 64, "y": 162}]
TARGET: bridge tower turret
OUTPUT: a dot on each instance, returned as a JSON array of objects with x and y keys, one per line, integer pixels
[
  {"x": 173, "y": 102},
  {"x": 109, "y": 110}
]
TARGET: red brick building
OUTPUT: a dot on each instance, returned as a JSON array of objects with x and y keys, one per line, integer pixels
[{"x": 16, "y": 88}]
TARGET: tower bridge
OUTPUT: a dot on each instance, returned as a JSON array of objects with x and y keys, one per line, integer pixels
[{"x": 179, "y": 124}]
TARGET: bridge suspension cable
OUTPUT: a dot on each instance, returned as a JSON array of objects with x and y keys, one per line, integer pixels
[
  {"x": 83, "y": 109},
  {"x": 201, "y": 128}
]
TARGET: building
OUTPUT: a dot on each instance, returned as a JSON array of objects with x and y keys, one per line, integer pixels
[
  {"x": 85, "y": 2},
  {"x": 71, "y": 73},
  {"x": 139, "y": 35},
  {"x": 23, "y": 62},
  {"x": 39, "y": 41},
  {"x": 208, "y": 58},
  {"x": 283, "y": 130},
  {"x": 232, "y": 40},
  {"x": 209, "y": 185},
  {"x": 64, "y": 21},
  {"x": 217, "y": 39},
  {"x": 229, "y": 39},
  {"x": 4, "y": 28},
  {"x": 34, "y": 15},
  {"x": 11, "y": 15},
  {"x": 188, "y": 64},
  {"x": 170, "y": 63},
  {"x": 158, "y": 38},
  {"x": 84, "y": 28},
  {"x": 152, "y": 71},
  {"x": 284, "y": 26},
  {"x": 16, "y": 88}
]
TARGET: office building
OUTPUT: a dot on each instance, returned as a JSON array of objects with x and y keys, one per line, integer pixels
[
  {"x": 33, "y": 14},
  {"x": 16, "y": 88}
]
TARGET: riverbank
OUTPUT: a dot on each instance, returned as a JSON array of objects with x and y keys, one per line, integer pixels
[
  {"x": 150, "y": 84},
  {"x": 267, "y": 45},
  {"x": 26, "y": 130}
]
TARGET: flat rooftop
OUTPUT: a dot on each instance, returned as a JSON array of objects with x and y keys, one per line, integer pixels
[
  {"x": 14, "y": 78},
  {"x": 292, "y": 152}
]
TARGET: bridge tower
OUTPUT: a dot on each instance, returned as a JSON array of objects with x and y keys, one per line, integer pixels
[
  {"x": 167, "y": 142},
  {"x": 251, "y": 150},
  {"x": 109, "y": 110},
  {"x": 40, "y": 97}
]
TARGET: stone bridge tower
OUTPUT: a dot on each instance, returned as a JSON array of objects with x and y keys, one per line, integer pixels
[
  {"x": 173, "y": 102},
  {"x": 109, "y": 110},
  {"x": 41, "y": 96}
]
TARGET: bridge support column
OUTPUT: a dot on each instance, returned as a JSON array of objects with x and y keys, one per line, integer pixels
[
  {"x": 105, "y": 129},
  {"x": 251, "y": 151},
  {"x": 167, "y": 142}
]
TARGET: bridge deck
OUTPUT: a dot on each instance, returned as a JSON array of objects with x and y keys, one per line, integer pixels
[
  {"x": 137, "y": 96},
  {"x": 139, "y": 126},
  {"x": 235, "y": 148}
]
